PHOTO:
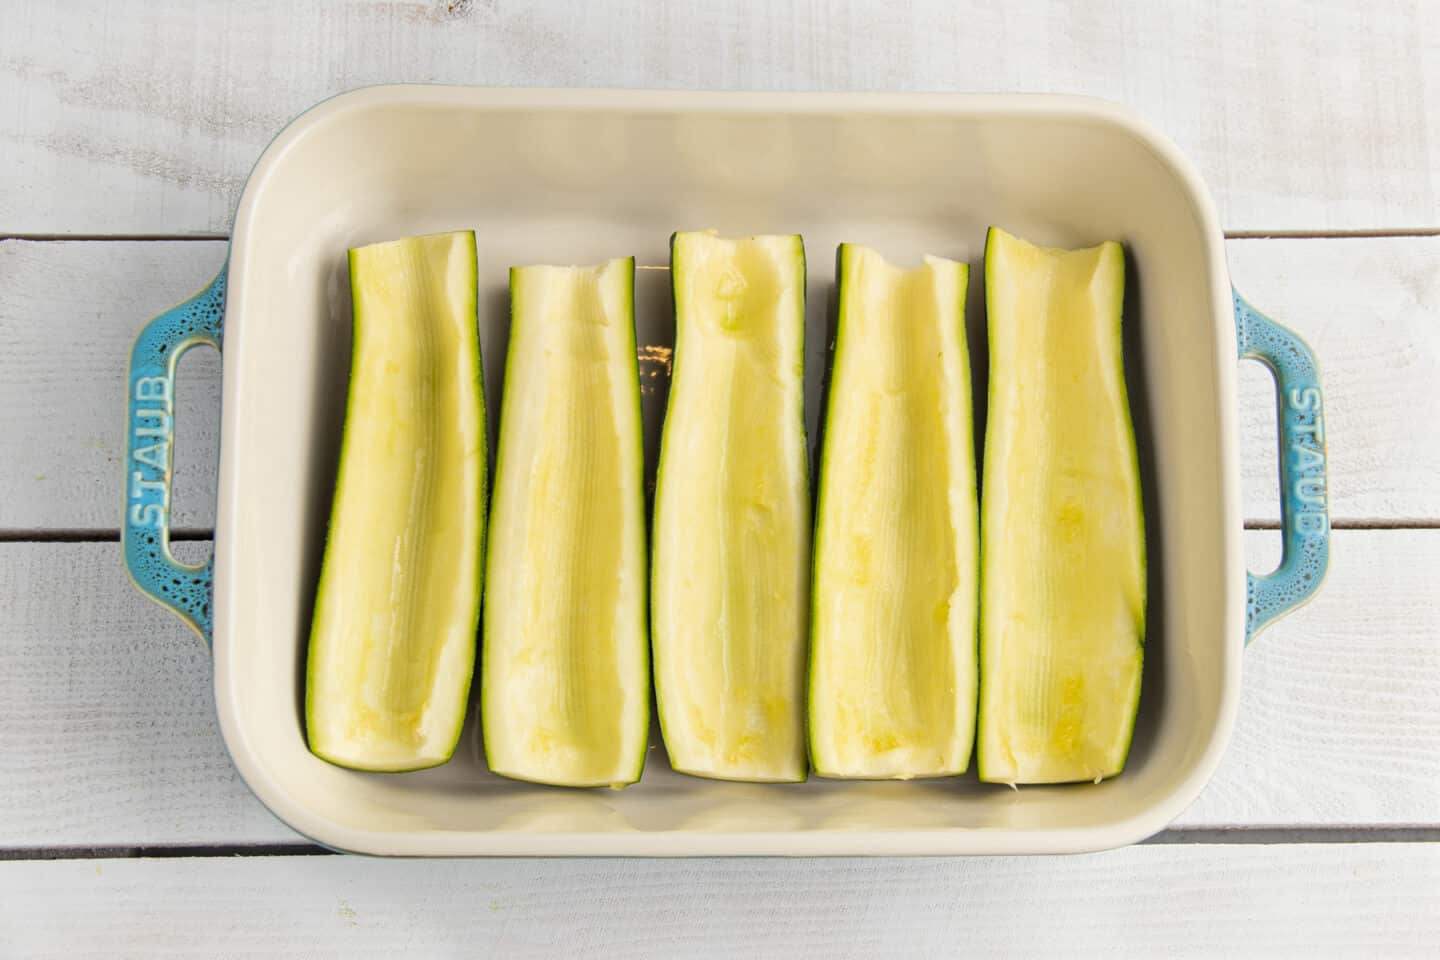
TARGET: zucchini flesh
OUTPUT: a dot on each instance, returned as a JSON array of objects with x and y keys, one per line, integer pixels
[
  {"x": 1063, "y": 569},
  {"x": 565, "y": 674},
  {"x": 392, "y": 643},
  {"x": 892, "y": 658},
  {"x": 730, "y": 574}
]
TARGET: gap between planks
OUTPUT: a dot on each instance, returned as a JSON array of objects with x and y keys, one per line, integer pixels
[
  {"x": 197, "y": 534},
  {"x": 96, "y": 535},
  {"x": 1212, "y": 837},
  {"x": 114, "y": 237},
  {"x": 1358, "y": 233},
  {"x": 1416, "y": 523}
]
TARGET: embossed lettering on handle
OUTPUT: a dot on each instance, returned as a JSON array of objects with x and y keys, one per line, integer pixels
[
  {"x": 1304, "y": 503},
  {"x": 149, "y": 455}
]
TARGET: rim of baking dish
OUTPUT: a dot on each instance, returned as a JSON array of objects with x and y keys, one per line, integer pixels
[{"x": 969, "y": 841}]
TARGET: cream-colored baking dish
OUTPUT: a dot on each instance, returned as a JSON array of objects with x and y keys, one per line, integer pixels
[{"x": 579, "y": 176}]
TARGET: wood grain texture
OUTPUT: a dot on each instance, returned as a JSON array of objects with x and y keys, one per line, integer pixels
[
  {"x": 69, "y": 311},
  {"x": 1331, "y": 900},
  {"x": 138, "y": 116},
  {"x": 1338, "y": 722},
  {"x": 108, "y": 734},
  {"x": 1370, "y": 308}
]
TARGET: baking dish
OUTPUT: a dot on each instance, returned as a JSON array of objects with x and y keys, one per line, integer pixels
[{"x": 580, "y": 176}]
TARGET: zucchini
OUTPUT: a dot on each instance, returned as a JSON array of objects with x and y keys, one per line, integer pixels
[
  {"x": 565, "y": 676},
  {"x": 1063, "y": 540},
  {"x": 392, "y": 642},
  {"x": 730, "y": 573},
  {"x": 892, "y": 656}
]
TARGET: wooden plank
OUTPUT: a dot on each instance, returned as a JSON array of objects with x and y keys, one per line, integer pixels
[
  {"x": 144, "y": 116},
  {"x": 1337, "y": 725},
  {"x": 69, "y": 310},
  {"x": 1314, "y": 900},
  {"x": 108, "y": 734},
  {"x": 69, "y": 313},
  {"x": 1370, "y": 308}
]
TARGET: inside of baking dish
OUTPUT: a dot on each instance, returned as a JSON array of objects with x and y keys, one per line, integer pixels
[{"x": 592, "y": 180}]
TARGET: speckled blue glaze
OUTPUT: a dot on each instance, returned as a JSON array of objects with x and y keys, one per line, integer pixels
[
  {"x": 1304, "y": 504},
  {"x": 149, "y": 443}
]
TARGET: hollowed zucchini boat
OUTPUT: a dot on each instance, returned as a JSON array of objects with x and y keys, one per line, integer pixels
[
  {"x": 1062, "y": 614},
  {"x": 392, "y": 642},
  {"x": 730, "y": 573},
  {"x": 892, "y": 661},
  {"x": 565, "y": 694}
]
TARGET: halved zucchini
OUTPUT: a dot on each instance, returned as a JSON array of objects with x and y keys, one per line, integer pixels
[
  {"x": 1063, "y": 540},
  {"x": 565, "y": 676},
  {"x": 892, "y": 657},
  {"x": 392, "y": 643},
  {"x": 730, "y": 574}
]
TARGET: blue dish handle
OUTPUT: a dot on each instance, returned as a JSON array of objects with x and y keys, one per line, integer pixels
[
  {"x": 149, "y": 444},
  {"x": 1304, "y": 505},
  {"x": 186, "y": 589}
]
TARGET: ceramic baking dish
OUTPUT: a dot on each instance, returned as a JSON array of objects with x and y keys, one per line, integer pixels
[{"x": 579, "y": 176}]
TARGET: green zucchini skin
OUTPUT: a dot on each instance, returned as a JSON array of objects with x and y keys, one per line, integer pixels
[
  {"x": 1063, "y": 537},
  {"x": 393, "y": 634},
  {"x": 565, "y": 690},
  {"x": 893, "y": 623},
  {"x": 731, "y": 540}
]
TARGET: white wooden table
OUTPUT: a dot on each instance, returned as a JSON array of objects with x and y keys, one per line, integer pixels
[{"x": 127, "y": 129}]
